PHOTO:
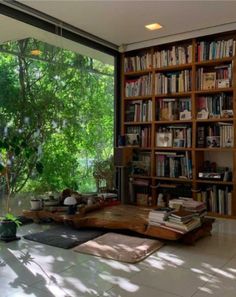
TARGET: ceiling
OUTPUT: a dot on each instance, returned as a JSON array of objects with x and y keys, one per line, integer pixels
[{"x": 122, "y": 22}]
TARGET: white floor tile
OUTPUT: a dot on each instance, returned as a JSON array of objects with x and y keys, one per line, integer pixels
[
  {"x": 206, "y": 269},
  {"x": 137, "y": 291},
  {"x": 175, "y": 280}
]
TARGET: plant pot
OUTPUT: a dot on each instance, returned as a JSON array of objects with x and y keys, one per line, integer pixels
[
  {"x": 35, "y": 204},
  {"x": 8, "y": 230}
]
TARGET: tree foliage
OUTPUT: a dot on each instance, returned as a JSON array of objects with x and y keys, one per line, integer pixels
[{"x": 56, "y": 116}]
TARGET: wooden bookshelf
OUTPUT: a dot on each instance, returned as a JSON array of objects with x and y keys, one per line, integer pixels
[{"x": 197, "y": 75}]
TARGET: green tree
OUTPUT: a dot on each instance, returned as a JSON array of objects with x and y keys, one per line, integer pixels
[{"x": 57, "y": 115}]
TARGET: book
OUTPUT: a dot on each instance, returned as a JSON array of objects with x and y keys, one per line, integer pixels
[
  {"x": 194, "y": 223},
  {"x": 182, "y": 214}
]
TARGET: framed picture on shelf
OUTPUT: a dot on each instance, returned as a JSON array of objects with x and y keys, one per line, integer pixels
[
  {"x": 203, "y": 114},
  {"x": 213, "y": 141},
  {"x": 185, "y": 115},
  {"x": 209, "y": 80},
  {"x": 227, "y": 113},
  {"x": 132, "y": 139},
  {"x": 223, "y": 83},
  {"x": 164, "y": 139}
]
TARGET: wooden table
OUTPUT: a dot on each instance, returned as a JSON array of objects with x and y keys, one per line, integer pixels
[{"x": 126, "y": 217}]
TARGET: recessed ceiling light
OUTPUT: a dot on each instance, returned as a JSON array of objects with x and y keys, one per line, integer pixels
[
  {"x": 154, "y": 26},
  {"x": 36, "y": 52}
]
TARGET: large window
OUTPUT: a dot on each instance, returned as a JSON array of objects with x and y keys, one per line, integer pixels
[{"x": 57, "y": 117}]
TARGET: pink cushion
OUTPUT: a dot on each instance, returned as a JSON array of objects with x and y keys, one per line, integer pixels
[{"x": 120, "y": 247}]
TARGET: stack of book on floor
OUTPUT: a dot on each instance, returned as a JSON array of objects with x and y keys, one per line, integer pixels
[
  {"x": 182, "y": 221},
  {"x": 196, "y": 207},
  {"x": 157, "y": 216}
]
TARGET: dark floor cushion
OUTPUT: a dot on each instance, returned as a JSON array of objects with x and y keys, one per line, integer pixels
[{"x": 64, "y": 236}]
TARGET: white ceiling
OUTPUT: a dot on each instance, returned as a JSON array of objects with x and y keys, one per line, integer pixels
[{"x": 122, "y": 22}]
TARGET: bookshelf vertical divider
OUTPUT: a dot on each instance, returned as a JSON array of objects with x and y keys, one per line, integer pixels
[
  {"x": 194, "y": 128},
  {"x": 171, "y": 79},
  {"x": 234, "y": 146}
]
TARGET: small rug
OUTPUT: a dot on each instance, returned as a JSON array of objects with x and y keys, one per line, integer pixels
[
  {"x": 64, "y": 236},
  {"x": 120, "y": 247}
]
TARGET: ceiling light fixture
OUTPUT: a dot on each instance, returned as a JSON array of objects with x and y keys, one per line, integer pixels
[{"x": 154, "y": 26}]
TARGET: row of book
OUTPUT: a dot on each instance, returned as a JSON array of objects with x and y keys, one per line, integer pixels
[
  {"x": 141, "y": 86},
  {"x": 219, "y": 77},
  {"x": 215, "y": 49},
  {"x": 173, "y": 164},
  {"x": 215, "y": 106},
  {"x": 138, "y": 111},
  {"x": 215, "y": 135},
  {"x": 217, "y": 199},
  {"x": 177, "y": 55},
  {"x": 137, "y": 63},
  {"x": 173, "y": 82},
  {"x": 170, "y": 109},
  {"x": 174, "y": 136},
  {"x": 176, "y": 82}
]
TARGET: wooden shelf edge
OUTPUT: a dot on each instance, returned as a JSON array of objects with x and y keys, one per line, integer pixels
[
  {"x": 219, "y": 90},
  {"x": 140, "y": 72},
  {"x": 214, "y": 61},
  {"x": 217, "y": 182},
  {"x": 217, "y": 215}
]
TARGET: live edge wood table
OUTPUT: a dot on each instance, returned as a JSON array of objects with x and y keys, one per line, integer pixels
[{"x": 127, "y": 217}]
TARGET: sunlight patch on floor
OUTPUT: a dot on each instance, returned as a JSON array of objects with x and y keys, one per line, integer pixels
[{"x": 120, "y": 281}]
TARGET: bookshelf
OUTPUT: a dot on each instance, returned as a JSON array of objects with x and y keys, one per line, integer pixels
[{"x": 179, "y": 102}]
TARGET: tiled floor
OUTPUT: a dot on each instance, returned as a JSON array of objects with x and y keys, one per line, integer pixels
[{"x": 206, "y": 269}]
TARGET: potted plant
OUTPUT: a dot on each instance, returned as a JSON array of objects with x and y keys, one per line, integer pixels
[{"x": 8, "y": 222}]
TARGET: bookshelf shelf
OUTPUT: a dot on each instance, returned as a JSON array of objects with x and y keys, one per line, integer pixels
[
  {"x": 137, "y": 73},
  {"x": 172, "y": 179},
  {"x": 137, "y": 123},
  {"x": 189, "y": 88},
  {"x": 138, "y": 97},
  {"x": 214, "y": 62},
  {"x": 217, "y": 215},
  {"x": 172, "y": 148},
  {"x": 216, "y": 120},
  {"x": 140, "y": 176},
  {"x": 179, "y": 122},
  {"x": 174, "y": 68},
  {"x": 219, "y": 90},
  {"x": 214, "y": 149},
  {"x": 201, "y": 181},
  {"x": 182, "y": 94}
]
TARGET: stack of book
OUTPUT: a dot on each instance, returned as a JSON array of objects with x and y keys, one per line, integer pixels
[
  {"x": 198, "y": 208},
  {"x": 181, "y": 223},
  {"x": 157, "y": 216}
]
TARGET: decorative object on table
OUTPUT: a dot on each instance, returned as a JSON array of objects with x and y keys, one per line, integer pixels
[
  {"x": 50, "y": 201},
  {"x": 35, "y": 204},
  {"x": 71, "y": 203}
]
